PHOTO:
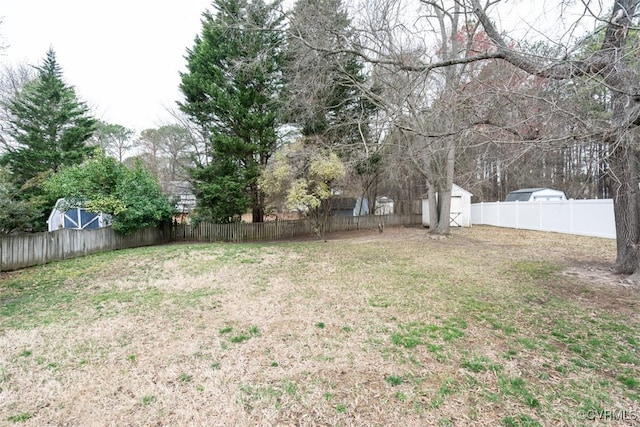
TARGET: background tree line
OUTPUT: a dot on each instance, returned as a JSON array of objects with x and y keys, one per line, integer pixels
[{"x": 407, "y": 96}]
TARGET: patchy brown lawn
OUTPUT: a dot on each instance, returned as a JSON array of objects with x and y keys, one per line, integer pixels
[{"x": 488, "y": 327}]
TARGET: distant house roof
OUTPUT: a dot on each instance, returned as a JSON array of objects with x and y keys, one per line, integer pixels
[
  {"x": 520, "y": 195},
  {"x": 186, "y": 203},
  {"x": 182, "y": 192}
]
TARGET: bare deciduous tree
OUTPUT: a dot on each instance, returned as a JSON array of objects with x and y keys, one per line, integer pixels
[
  {"x": 610, "y": 65},
  {"x": 392, "y": 42},
  {"x": 421, "y": 87},
  {"x": 12, "y": 80},
  {"x": 166, "y": 151},
  {"x": 327, "y": 86},
  {"x": 196, "y": 135},
  {"x": 115, "y": 140}
]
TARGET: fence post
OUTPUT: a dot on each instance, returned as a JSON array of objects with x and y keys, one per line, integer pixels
[
  {"x": 517, "y": 214},
  {"x": 497, "y": 214}
]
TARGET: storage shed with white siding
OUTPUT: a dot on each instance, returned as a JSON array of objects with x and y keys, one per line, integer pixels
[
  {"x": 75, "y": 218},
  {"x": 460, "y": 208}
]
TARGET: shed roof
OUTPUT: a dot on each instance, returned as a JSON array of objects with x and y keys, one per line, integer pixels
[
  {"x": 524, "y": 194},
  {"x": 531, "y": 190},
  {"x": 456, "y": 190}
]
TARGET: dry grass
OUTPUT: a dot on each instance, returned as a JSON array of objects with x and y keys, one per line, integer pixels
[{"x": 490, "y": 327}]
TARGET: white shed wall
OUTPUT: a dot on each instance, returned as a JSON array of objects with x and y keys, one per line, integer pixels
[
  {"x": 460, "y": 209},
  {"x": 56, "y": 220},
  {"x": 547, "y": 194}
]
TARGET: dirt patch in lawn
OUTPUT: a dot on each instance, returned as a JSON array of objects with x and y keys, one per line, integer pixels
[{"x": 602, "y": 289}]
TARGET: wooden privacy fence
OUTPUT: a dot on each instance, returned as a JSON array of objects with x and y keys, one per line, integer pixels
[
  {"x": 276, "y": 230},
  {"x": 26, "y": 250}
]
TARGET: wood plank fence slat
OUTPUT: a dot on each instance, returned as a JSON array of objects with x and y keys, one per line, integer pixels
[{"x": 26, "y": 250}]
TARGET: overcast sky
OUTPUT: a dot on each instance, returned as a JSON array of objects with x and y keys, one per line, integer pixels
[{"x": 122, "y": 56}]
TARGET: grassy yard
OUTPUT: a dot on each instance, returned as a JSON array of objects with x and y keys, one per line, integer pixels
[{"x": 490, "y": 327}]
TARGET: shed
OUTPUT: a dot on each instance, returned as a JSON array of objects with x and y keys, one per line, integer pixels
[
  {"x": 349, "y": 206},
  {"x": 460, "y": 208},
  {"x": 535, "y": 195},
  {"x": 343, "y": 206},
  {"x": 384, "y": 206},
  {"x": 75, "y": 218},
  {"x": 362, "y": 207}
]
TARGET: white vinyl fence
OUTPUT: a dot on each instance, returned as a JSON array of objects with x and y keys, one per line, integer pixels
[{"x": 583, "y": 217}]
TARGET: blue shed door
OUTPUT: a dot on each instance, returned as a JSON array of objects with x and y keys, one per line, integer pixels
[{"x": 79, "y": 219}]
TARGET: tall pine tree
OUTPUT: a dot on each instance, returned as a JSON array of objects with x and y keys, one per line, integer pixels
[
  {"x": 49, "y": 127},
  {"x": 232, "y": 87}
]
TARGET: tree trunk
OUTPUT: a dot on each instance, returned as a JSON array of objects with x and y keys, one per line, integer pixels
[
  {"x": 625, "y": 182},
  {"x": 432, "y": 195},
  {"x": 443, "y": 226},
  {"x": 257, "y": 214},
  {"x": 325, "y": 219},
  {"x": 612, "y": 64},
  {"x": 257, "y": 204},
  {"x": 444, "y": 192},
  {"x": 624, "y": 170}
]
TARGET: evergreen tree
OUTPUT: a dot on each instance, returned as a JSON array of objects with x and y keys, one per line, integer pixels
[
  {"x": 232, "y": 87},
  {"x": 15, "y": 214},
  {"x": 49, "y": 127}
]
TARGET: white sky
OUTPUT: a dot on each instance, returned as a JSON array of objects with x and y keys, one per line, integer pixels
[{"x": 122, "y": 56}]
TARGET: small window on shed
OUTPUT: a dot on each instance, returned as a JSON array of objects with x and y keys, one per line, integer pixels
[{"x": 517, "y": 197}]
